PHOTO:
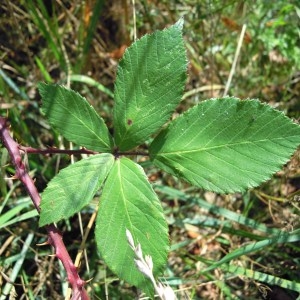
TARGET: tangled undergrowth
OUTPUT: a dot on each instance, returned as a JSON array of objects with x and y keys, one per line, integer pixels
[{"x": 78, "y": 43}]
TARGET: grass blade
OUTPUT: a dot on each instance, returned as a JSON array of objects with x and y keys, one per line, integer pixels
[
  {"x": 90, "y": 81},
  {"x": 12, "y": 85},
  {"x": 230, "y": 215},
  {"x": 283, "y": 238},
  {"x": 263, "y": 277},
  {"x": 17, "y": 267}
]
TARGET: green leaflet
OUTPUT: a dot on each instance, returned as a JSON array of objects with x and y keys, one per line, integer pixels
[
  {"x": 226, "y": 145},
  {"x": 149, "y": 85},
  {"x": 74, "y": 187},
  {"x": 75, "y": 118},
  {"x": 129, "y": 202}
]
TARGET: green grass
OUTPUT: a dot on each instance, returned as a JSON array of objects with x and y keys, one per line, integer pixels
[{"x": 236, "y": 246}]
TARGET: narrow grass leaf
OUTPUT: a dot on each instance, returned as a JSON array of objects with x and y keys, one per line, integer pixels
[
  {"x": 90, "y": 81},
  {"x": 227, "y": 226},
  {"x": 75, "y": 118},
  {"x": 13, "y": 85},
  {"x": 43, "y": 70},
  {"x": 42, "y": 20},
  {"x": 30, "y": 290},
  {"x": 149, "y": 85},
  {"x": 263, "y": 277},
  {"x": 87, "y": 33},
  {"x": 11, "y": 213},
  {"x": 284, "y": 237},
  {"x": 25, "y": 216},
  {"x": 219, "y": 211},
  {"x": 74, "y": 187},
  {"x": 226, "y": 145},
  {"x": 129, "y": 202},
  {"x": 14, "y": 272}
]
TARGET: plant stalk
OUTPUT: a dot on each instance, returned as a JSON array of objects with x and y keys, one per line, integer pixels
[{"x": 54, "y": 236}]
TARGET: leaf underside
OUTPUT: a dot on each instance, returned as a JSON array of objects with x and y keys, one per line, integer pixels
[
  {"x": 73, "y": 188},
  {"x": 149, "y": 85},
  {"x": 226, "y": 145},
  {"x": 75, "y": 118},
  {"x": 129, "y": 202}
]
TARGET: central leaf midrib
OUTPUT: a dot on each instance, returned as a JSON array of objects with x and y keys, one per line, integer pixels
[
  {"x": 219, "y": 146},
  {"x": 123, "y": 194}
]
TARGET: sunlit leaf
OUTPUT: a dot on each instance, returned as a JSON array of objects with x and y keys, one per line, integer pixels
[
  {"x": 226, "y": 145},
  {"x": 129, "y": 202},
  {"x": 74, "y": 118},
  {"x": 74, "y": 187},
  {"x": 149, "y": 85}
]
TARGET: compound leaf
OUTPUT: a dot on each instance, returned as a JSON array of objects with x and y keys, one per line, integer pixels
[
  {"x": 226, "y": 145},
  {"x": 149, "y": 85},
  {"x": 74, "y": 117},
  {"x": 129, "y": 202},
  {"x": 74, "y": 187}
]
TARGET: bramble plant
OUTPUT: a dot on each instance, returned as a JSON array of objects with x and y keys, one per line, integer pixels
[{"x": 223, "y": 145}]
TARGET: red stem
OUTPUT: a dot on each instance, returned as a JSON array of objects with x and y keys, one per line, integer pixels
[
  {"x": 54, "y": 236},
  {"x": 31, "y": 150},
  {"x": 56, "y": 151}
]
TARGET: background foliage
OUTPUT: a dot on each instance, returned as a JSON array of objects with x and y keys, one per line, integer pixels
[{"x": 79, "y": 43}]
